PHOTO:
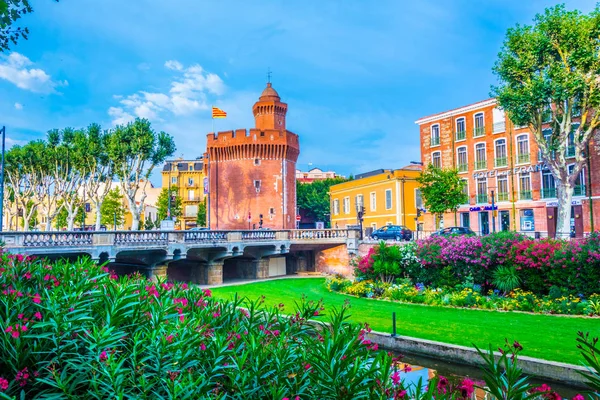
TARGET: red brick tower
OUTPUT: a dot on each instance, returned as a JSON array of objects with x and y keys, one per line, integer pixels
[{"x": 253, "y": 172}]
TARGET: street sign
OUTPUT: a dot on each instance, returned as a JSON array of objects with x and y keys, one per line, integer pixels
[
  {"x": 249, "y": 217},
  {"x": 298, "y": 218}
]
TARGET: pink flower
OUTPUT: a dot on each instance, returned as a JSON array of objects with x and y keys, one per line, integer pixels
[
  {"x": 38, "y": 315},
  {"x": 23, "y": 328},
  {"x": 20, "y": 316},
  {"x": 577, "y": 396},
  {"x": 8, "y": 329},
  {"x": 37, "y": 298},
  {"x": 184, "y": 286},
  {"x": 396, "y": 378},
  {"x": 466, "y": 388},
  {"x": 3, "y": 384},
  {"x": 407, "y": 368},
  {"x": 170, "y": 338},
  {"x": 307, "y": 366},
  {"x": 206, "y": 292},
  {"x": 15, "y": 334},
  {"x": 202, "y": 346},
  {"x": 27, "y": 275},
  {"x": 103, "y": 356},
  {"x": 316, "y": 313}
]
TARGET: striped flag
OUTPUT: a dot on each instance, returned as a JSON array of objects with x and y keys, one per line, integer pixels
[{"x": 218, "y": 113}]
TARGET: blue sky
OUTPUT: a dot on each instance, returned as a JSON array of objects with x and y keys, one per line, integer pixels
[{"x": 355, "y": 74}]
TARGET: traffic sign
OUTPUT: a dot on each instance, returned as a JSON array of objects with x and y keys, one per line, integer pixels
[{"x": 298, "y": 218}]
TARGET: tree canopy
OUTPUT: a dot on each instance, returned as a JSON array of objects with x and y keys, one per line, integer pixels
[
  {"x": 314, "y": 198},
  {"x": 442, "y": 190},
  {"x": 112, "y": 209},
  {"x": 162, "y": 203},
  {"x": 548, "y": 76},
  {"x": 10, "y": 12}
]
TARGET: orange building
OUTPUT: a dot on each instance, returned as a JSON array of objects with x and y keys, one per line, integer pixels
[
  {"x": 252, "y": 173},
  {"x": 493, "y": 155}
]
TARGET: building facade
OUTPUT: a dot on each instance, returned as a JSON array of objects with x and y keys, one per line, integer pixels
[
  {"x": 252, "y": 173},
  {"x": 389, "y": 197},
  {"x": 188, "y": 176},
  {"x": 315, "y": 174},
  {"x": 501, "y": 161}
]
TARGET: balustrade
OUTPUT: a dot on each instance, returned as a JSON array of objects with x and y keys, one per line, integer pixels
[
  {"x": 312, "y": 234},
  {"x": 258, "y": 235},
  {"x": 142, "y": 237},
  {"x": 205, "y": 236},
  {"x": 64, "y": 239}
]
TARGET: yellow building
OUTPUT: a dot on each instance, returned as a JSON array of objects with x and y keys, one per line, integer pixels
[
  {"x": 389, "y": 197},
  {"x": 188, "y": 176}
]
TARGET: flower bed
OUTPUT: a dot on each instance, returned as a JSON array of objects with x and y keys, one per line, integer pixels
[{"x": 468, "y": 297}]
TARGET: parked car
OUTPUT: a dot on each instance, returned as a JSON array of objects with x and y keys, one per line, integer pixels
[
  {"x": 198, "y": 229},
  {"x": 454, "y": 230},
  {"x": 393, "y": 232}
]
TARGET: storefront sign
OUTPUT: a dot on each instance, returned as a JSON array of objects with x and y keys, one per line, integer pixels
[
  {"x": 555, "y": 203},
  {"x": 514, "y": 171},
  {"x": 483, "y": 208}
]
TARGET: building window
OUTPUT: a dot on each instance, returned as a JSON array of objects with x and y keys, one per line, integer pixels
[
  {"x": 272, "y": 211},
  {"x": 461, "y": 159},
  {"x": 418, "y": 199},
  {"x": 190, "y": 167},
  {"x": 173, "y": 179},
  {"x": 257, "y": 161},
  {"x": 527, "y": 220},
  {"x": 190, "y": 181},
  {"x": 190, "y": 195},
  {"x": 548, "y": 185},
  {"x": 374, "y": 226},
  {"x": 336, "y": 207},
  {"x": 435, "y": 135},
  {"x": 501, "y": 157},
  {"x": 461, "y": 131},
  {"x": 346, "y": 205},
  {"x": 502, "y": 184},
  {"x": 373, "y": 201},
  {"x": 480, "y": 156},
  {"x": 525, "y": 187},
  {"x": 436, "y": 159},
  {"x": 464, "y": 220},
  {"x": 479, "y": 127},
  {"x": 523, "y": 149},
  {"x": 482, "y": 196},
  {"x": 388, "y": 199},
  {"x": 359, "y": 202}
]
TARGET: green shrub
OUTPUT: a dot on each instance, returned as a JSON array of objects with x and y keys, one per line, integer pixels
[{"x": 506, "y": 279}]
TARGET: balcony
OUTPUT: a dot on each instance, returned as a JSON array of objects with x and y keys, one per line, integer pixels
[
  {"x": 463, "y": 167},
  {"x": 570, "y": 152},
  {"x": 482, "y": 198},
  {"x": 501, "y": 161},
  {"x": 479, "y": 131},
  {"x": 194, "y": 199},
  {"x": 579, "y": 190},
  {"x": 523, "y": 158},
  {"x": 461, "y": 135},
  {"x": 548, "y": 193},
  {"x": 502, "y": 196},
  {"x": 481, "y": 164},
  {"x": 499, "y": 127},
  {"x": 435, "y": 141},
  {"x": 525, "y": 195}
]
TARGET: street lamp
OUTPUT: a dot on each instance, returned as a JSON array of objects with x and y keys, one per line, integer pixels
[{"x": 3, "y": 131}]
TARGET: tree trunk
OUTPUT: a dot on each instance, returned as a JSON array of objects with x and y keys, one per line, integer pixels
[
  {"x": 98, "y": 204},
  {"x": 71, "y": 214},
  {"x": 48, "y": 224},
  {"x": 564, "y": 193},
  {"x": 135, "y": 220}
]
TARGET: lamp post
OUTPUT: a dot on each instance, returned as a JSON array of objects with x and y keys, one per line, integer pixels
[{"x": 3, "y": 131}]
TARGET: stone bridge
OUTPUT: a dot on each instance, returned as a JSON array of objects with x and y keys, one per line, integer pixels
[{"x": 203, "y": 257}]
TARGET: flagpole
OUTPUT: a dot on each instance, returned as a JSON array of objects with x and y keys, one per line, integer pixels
[{"x": 208, "y": 168}]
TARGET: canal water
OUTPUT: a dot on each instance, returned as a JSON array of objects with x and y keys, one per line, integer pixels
[{"x": 426, "y": 368}]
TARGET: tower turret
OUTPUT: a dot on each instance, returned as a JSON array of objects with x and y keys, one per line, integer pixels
[{"x": 269, "y": 112}]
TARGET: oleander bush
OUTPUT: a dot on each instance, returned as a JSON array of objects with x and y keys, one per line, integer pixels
[{"x": 74, "y": 330}]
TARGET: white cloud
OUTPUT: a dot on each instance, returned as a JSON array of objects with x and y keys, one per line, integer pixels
[
  {"x": 14, "y": 69},
  {"x": 187, "y": 95},
  {"x": 18, "y": 106},
  {"x": 173, "y": 64}
]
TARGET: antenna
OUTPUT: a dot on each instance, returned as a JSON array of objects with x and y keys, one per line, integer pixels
[{"x": 269, "y": 73}]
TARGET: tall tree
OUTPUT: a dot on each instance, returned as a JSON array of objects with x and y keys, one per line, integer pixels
[
  {"x": 62, "y": 218},
  {"x": 549, "y": 78},
  {"x": 95, "y": 166},
  {"x": 314, "y": 198},
  {"x": 162, "y": 203},
  {"x": 442, "y": 190},
  {"x": 201, "y": 217},
  {"x": 112, "y": 209},
  {"x": 10, "y": 12},
  {"x": 134, "y": 150}
]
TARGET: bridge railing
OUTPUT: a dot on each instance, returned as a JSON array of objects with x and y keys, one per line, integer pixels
[{"x": 135, "y": 238}]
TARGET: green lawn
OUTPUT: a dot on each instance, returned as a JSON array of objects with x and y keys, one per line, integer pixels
[{"x": 543, "y": 336}]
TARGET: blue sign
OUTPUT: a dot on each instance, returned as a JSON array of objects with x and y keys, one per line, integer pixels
[
  {"x": 206, "y": 185},
  {"x": 484, "y": 208}
]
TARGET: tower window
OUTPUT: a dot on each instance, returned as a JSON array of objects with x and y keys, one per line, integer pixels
[
  {"x": 257, "y": 161},
  {"x": 257, "y": 185},
  {"x": 262, "y": 134},
  {"x": 271, "y": 211}
]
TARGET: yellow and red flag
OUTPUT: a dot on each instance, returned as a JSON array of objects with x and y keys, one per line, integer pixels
[{"x": 218, "y": 113}]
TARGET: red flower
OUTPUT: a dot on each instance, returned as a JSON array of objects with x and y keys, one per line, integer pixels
[
  {"x": 103, "y": 356},
  {"x": 396, "y": 378},
  {"x": 3, "y": 384}
]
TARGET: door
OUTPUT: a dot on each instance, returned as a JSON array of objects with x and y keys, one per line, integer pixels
[
  {"x": 504, "y": 220},
  {"x": 551, "y": 213},
  {"x": 577, "y": 221},
  {"x": 484, "y": 222}
]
